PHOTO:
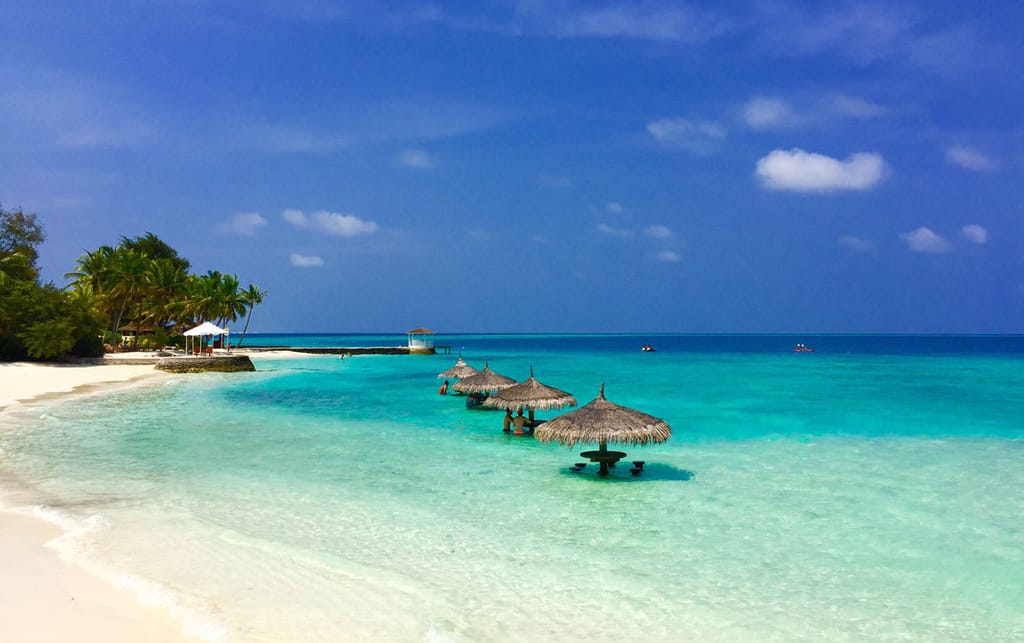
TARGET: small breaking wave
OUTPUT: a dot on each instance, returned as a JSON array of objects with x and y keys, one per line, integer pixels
[{"x": 72, "y": 546}]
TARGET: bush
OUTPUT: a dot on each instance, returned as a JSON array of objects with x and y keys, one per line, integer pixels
[
  {"x": 50, "y": 339},
  {"x": 89, "y": 346}
]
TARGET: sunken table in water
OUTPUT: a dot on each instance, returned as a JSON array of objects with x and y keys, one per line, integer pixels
[{"x": 605, "y": 458}]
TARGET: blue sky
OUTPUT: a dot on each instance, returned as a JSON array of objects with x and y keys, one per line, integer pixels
[{"x": 762, "y": 166}]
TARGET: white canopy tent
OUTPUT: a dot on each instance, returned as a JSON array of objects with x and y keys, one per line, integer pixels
[{"x": 206, "y": 328}]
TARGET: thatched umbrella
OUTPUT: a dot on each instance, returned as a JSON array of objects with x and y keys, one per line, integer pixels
[
  {"x": 483, "y": 382},
  {"x": 531, "y": 395},
  {"x": 460, "y": 371},
  {"x": 602, "y": 421}
]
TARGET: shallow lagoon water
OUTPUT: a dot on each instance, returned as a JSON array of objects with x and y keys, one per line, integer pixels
[{"x": 840, "y": 495}]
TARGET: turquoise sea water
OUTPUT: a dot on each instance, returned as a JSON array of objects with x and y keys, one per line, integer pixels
[{"x": 870, "y": 491}]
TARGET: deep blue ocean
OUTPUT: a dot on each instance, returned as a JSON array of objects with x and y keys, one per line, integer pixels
[
  {"x": 1006, "y": 345},
  {"x": 872, "y": 490}
]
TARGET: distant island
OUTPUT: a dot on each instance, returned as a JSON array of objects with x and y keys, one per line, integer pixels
[{"x": 138, "y": 293}]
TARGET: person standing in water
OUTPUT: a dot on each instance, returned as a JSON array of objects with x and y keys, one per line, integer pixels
[
  {"x": 519, "y": 421},
  {"x": 507, "y": 424},
  {"x": 444, "y": 389}
]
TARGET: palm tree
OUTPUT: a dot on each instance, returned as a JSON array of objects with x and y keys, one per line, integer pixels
[
  {"x": 95, "y": 272},
  {"x": 154, "y": 248},
  {"x": 251, "y": 296},
  {"x": 165, "y": 288},
  {"x": 229, "y": 304},
  {"x": 214, "y": 297},
  {"x": 128, "y": 283},
  {"x": 14, "y": 266}
]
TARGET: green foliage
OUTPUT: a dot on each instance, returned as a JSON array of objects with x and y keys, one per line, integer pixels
[
  {"x": 22, "y": 304},
  {"x": 20, "y": 234},
  {"x": 153, "y": 342},
  {"x": 36, "y": 320},
  {"x": 152, "y": 247},
  {"x": 142, "y": 283},
  {"x": 50, "y": 339},
  {"x": 250, "y": 297},
  {"x": 88, "y": 346}
]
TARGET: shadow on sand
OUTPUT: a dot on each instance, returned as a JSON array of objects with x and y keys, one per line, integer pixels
[{"x": 652, "y": 471}]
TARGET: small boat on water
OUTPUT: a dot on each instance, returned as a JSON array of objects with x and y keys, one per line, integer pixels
[
  {"x": 647, "y": 348},
  {"x": 802, "y": 348}
]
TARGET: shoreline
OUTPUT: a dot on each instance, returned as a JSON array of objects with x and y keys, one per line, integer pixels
[
  {"x": 45, "y": 597},
  {"x": 24, "y": 384}
]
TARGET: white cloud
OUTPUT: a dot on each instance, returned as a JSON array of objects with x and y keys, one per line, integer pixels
[
  {"x": 696, "y": 135},
  {"x": 71, "y": 201},
  {"x": 869, "y": 32},
  {"x": 416, "y": 159},
  {"x": 970, "y": 158},
  {"x": 802, "y": 171},
  {"x": 767, "y": 112},
  {"x": 616, "y": 208},
  {"x": 975, "y": 233},
  {"x": 52, "y": 107},
  {"x": 857, "y": 243},
  {"x": 282, "y": 138},
  {"x": 306, "y": 261},
  {"x": 669, "y": 256},
  {"x": 925, "y": 240},
  {"x": 244, "y": 224},
  {"x": 604, "y": 228},
  {"x": 666, "y": 22},
  {"x": 856, "y": 107},
  {"x": 762, "y": 112},
  {"x": 342, "y": 225},
  {"x": 295, "y": 217},
  {"x": 554, "y": 181},
  {"x": 657, "y": 231}
]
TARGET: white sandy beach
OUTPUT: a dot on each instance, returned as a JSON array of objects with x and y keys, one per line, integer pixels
[
  {"x": 22, "y": 382},
  {"x": 45, "y": 599},
  {"x": 42, "y": 597}
]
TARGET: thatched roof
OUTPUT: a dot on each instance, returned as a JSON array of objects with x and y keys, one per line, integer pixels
[
  {"x": 461, "y": 370},
  {"x": 603, "y": 421},
  {"x": 420, "y": 331},
  {"x": 484, "y": 381},
  {"x": 531, "y": 394}
]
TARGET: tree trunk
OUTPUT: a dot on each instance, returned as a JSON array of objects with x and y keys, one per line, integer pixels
[{"x": 245, "y": 330}]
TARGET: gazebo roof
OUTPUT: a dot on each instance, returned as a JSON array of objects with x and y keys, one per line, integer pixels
[
  {"x": 531, "y": 394},
  {"x": 603, "y": 421},
  {"x": 461, "y": 370},
  {"x": 420, "y": 331},
  {"x": 485, "y": 380},
  {"x": 206, "y": 328}
]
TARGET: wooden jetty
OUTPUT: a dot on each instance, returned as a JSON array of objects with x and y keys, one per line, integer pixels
[{"x": 353, "y": 350}]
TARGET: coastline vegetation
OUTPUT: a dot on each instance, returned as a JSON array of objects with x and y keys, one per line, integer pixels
[{"x": 140, "y": 286}]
